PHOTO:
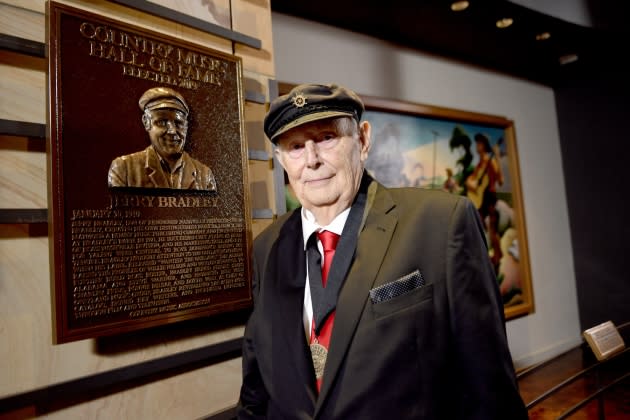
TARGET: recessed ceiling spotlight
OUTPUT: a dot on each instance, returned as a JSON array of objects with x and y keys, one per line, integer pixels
[
  {"x": 458, "y": 6},
  {"x": 542, "y": 36},
  {"x": 567, "y": 58},
  {"x": 504, "y": 23}
]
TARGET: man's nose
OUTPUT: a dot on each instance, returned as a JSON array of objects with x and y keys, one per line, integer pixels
[
  {"x": 170, "y": 127},
  {"x": 311, "y": 153}
]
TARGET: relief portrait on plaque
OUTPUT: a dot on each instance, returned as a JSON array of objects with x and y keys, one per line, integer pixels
[
  {"x": 149, "y": 209},
  {"x": 164, "y": 163}
]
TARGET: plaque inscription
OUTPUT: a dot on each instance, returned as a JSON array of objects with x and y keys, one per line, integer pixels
[
  {"x": 119, "y": 268},
  {"x": 150, "y": 221}
]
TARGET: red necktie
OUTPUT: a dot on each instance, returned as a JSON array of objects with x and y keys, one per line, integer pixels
[{"x": 329, "y": 242}]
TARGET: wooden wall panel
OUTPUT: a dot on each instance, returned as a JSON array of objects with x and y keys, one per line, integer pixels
[
  {"x": 185, "y": 396},
  {"x": 28, "y": 359},
  {"x": 213, "y": 11},
  {"x": 254, "y": 117},
  {"x": 259, "y": 225},
  {"x": 23, "y": 23},
  {"x": 23, "y": 91},
  {"x": 34, "y": 5},
  {"x": 22, "y": 174},
  {"x": 36, "y": 30},
  {"x": 260, "y": 177},
  {"x": 253, "y": 18},
  {"x": 17, "y": 320},
  {"x": 24, "y": 311}
]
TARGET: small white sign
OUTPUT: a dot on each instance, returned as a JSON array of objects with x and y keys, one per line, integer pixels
[{"x": 604, "y": 340}]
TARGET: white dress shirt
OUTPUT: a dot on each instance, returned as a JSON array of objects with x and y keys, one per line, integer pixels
[{"x": 308, "y": 227}]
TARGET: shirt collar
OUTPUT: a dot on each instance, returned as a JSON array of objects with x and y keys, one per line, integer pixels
[{"x": 309, "y": 225}]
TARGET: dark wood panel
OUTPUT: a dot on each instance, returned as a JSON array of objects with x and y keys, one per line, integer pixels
[
  {"x": 22, "y": 46},
  {"x": 15, "y": 216},
  {"x": 22, "y": 128}
]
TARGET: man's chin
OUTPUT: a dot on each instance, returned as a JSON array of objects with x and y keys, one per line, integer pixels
[
  {"x": 174, "y": 154},
  {"x": 171, "y": 157},
  {"x": 317, "y": 201}
]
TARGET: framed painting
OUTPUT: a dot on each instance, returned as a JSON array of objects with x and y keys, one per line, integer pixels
[
  {"x": 466, "y": 153},
  {"x": 460, "y": 152}
]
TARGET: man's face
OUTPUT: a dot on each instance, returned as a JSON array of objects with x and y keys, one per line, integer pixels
[
  {"x": 324, "y": 161},
  {"x": 167, "y": 129}
]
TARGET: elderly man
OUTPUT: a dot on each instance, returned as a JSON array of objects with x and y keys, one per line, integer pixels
[
  {"x": 164, "y": 164},
  {"x": 404, "y": 322}
]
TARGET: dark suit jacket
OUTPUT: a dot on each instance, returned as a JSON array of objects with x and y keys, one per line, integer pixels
[
  {"x": 436, "y": 352},
  {"x": 142, "y": 169}
]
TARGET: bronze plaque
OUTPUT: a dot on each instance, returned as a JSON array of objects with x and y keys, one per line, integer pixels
[{"x": 149, "y": 208}]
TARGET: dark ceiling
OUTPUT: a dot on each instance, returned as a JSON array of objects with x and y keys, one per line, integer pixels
[{"x": 471, "y": 36}]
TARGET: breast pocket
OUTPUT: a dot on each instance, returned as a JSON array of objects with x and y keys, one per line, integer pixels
[{"x": 408, "y": 300}]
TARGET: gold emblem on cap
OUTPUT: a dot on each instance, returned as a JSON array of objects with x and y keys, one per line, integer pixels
[{"x": 299, "y": 100}]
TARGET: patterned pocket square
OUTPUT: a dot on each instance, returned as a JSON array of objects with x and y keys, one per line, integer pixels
[{"x": 398, "y": 287}]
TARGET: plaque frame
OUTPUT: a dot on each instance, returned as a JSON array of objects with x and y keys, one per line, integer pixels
[{"x": 129, "y": 257}]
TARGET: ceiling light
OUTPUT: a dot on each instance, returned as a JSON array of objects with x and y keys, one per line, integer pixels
[
  {"x": 504, "y": 23},
  {"x": 568, "y": 58},
  {"x": 458, "y": 6},
  {"x": 542, "y": 36}
]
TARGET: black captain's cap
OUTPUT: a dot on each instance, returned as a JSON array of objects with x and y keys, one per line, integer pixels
[
  {"x": 162, "y": 97},
  {"x": 308, "y": 103}
]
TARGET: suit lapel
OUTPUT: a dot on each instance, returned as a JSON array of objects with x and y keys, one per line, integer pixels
[
  {"x": 189, "y": 175},
  {"x": 152, "y": 166},
  {"x": 371, "y": 249}
]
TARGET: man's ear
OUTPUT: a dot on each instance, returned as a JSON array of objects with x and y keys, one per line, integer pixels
[
  {"x": 146, "y": 121},
  {"x": 365, "y": 137},
  {"x": 279, "y": 156}
]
